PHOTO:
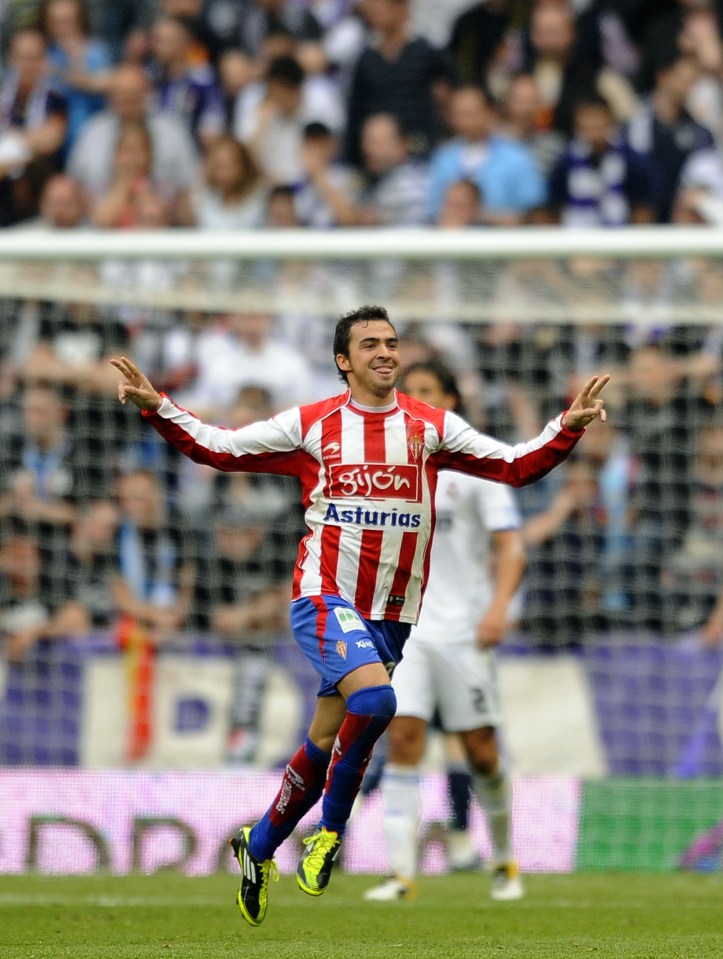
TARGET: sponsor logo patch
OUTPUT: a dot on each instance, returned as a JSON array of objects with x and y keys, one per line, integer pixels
[
  {"x": 360, "y": 516},
  {"x": 365, "y": 644},
  {"x": 375, "y": 481},
  {"x": 349, "y": 621}
]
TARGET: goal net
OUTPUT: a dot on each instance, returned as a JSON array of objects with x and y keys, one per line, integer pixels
[{"x": 143, "y": 598}]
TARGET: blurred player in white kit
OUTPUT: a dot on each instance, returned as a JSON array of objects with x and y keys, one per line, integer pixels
[{"x": 477, "y": 563}]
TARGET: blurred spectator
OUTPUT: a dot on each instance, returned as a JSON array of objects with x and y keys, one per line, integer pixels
[
  {"x": 45, "y": 473},
  {"x": 564, "y": 71},
  {"x": 206, "y": 31},
  {"x": 189, "y": 93},
  {"x": 562, "y": 584},
  {"x": 242, "y": 350},
  {"x": 81, "y": 62},
  {"x": 397, "y": 185},
  {"x": 155, "y": 581},
  {"x": 602, "y": 29},
  {"x": 699, "y": 198},
  {"x": 123, "y": 24},
  {"x": 343, "y": 33},
  {"x": 93, "y": 564},
  {"x": 276, "y": 113},
  {"x": 461, "y": 207},
  {"x": 655, "y": 28},
  {"x": 328, "y": 194},
  {"x": 476, "y": 34},
  {"x": 281, "y": 211},
  {"x": 35, "y": 601},
  {"x": 236, "y": 72},
  {"x": 33, "y": 123},
  {"x": 660, "y": 420},
  {"x": 695, "y": 573},
  {"x": 700, "y": 39},
  {"x": 609, "y": 454},
  {"x": 73, "y": 345},
  {"x": 174, "y": 157},
  {"x": 269, "y": 16},
  {"x": 504, "y": 171},
  {"x": 231, "y": 195},
  {"x": 62, "y": 206},
  {"x": 599, "y": 180},
  {"x": 396, "y": 74},
  {"x": 663, "y": 129},
  {"x": 521, "y": 112},
  {"x": 134, "y": 198},
  {"x": 648, "y": 297},
  {"x": 240, "y": 594}
]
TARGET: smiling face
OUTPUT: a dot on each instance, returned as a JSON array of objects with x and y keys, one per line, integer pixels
[{"x": 372, "y": 363}]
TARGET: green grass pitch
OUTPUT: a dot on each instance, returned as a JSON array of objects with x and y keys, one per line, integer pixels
[{"x": 585, "y": 915}]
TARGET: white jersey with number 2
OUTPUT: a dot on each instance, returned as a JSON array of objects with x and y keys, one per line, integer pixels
[{"x": 460, "y": 584}]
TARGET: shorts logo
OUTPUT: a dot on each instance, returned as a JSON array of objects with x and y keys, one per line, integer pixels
[
  {"x": 341, "y": 648},
  {"x": 349, "y": 621},
  {"x": 365, "y": 644},
  {"x": 415, "y": 438},
  {"x": 375, "y": 481}
]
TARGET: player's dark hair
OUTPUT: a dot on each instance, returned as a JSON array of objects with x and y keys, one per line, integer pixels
[
  {"x": 362, "y": 314},
  {"x": 443, "y": 375}
]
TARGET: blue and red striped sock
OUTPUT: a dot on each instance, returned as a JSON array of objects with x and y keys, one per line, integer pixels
[
  {"x": 369, "y": 712},
  {"x": 301, "y": 787}
]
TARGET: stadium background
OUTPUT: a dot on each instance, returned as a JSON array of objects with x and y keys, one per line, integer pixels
[{"x": 138, "y": 740}]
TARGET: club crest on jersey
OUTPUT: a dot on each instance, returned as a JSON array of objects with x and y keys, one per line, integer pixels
[
  {"x": 341, "y": 648},
  {"x": 415, "y": 438}
]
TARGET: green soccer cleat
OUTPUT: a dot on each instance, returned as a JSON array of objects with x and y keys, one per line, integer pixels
[
  {"x": 253, "y": 896},
  {"x": 315, "y": 865}
]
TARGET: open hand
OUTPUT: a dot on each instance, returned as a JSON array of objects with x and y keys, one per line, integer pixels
[
  {"x": 137, "y": 387},
  {"x": 587, "y": 405}
]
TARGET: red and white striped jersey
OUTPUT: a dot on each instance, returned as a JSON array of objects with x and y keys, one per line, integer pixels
[{"x": 368, "y": 480}]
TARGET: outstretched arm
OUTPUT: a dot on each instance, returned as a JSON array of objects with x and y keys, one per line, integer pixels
[
  {"x": 466, "y": 450},
  {"x": 271, "y": 446}
]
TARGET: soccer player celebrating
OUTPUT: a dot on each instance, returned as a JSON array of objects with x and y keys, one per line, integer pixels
[
  {"x": 367, "y": 461},
  {"x": 448, "y": 660}
]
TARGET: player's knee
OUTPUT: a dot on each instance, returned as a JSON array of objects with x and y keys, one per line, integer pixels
[{"x": 378, "y": 701}]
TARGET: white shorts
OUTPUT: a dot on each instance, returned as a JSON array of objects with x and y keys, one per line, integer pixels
[{"x": 459, "y": 680}]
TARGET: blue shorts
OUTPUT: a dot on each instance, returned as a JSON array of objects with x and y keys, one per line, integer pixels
[{"x": 337, "y": 640}]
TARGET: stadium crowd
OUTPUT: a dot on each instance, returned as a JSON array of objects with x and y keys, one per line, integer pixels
[
  {"x": 372, "y": 113},
  {"x": 236, "y": 116}
]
